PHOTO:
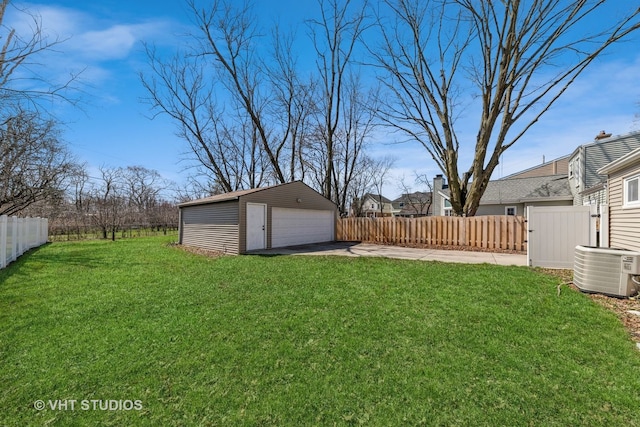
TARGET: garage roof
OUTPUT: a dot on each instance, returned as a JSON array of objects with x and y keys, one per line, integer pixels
[{"x": 234, "y": 195}]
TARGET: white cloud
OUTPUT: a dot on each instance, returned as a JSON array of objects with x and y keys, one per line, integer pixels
[
  {"x": 114, "y": 42},
  {"x": 87, "y": 42}
]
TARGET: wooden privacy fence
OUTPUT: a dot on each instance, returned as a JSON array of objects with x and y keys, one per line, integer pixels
[
  {"x": 501, "y": 232},
  {"x": 18, "y": 235}
]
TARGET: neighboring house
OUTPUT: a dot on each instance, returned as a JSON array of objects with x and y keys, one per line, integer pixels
[
  {"x": 623, "y": 185},
  {"x": 586, "y": 183},
  {"x": 511, "y": 196},
  {"x": 559, "y": 166},
  {"x": 568, "y": 180},
  {"x": 413, "y": 205},
  {"x": 373, "y": 205},
  {"x": 260, "y": 218},
  {"x": 441, "y": 205}
]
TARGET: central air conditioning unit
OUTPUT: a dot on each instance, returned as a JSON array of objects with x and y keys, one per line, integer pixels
[{"x": 609, "y": 271}]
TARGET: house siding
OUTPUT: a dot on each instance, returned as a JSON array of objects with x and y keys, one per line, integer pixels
[
  {"x": 624, "y": 224},
  {"x": 598, "y": 155},
  {"x": 554, "y": 167},
  {"x": 211, "y": 226},
  {"x": 285, "y": 196},
  {"x": 547, "y": 203},
  {"x": 499, "y": 209},
  {"x": 598, "y": 197},
  {"x": 587, "y": 159}
]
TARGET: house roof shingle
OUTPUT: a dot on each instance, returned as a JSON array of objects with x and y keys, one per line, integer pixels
[
  {"x": 416, "y": 203},
  {"x": 553, "y": 187},
  {"x": 376, "y": 197}
]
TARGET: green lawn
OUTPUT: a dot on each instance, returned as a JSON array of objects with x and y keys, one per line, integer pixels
[{"x": 296, "y": 341}]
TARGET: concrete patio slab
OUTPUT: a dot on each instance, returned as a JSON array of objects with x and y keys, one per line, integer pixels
[{"x": 355, "y": 249}]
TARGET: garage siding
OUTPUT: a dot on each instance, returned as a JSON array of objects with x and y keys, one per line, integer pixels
[
  {"x": 211, "y": 226},
  {"x": 219, "y": 222},
  {"x": 285, "y": 196}
]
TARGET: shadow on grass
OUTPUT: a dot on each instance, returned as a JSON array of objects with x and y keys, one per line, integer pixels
[
  {"x": 14, "y": 267},
  {"x": 46, "y": 258},
  {"x": 312, "y": 248}
]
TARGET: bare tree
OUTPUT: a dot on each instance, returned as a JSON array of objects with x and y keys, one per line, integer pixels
[
  {"x": 295, "y": 98},
  {"x": 34, "y": 164},
  {"x": 371, "y": 176},
  {"x": 351, "y": 139},
  {"x": 335, "y": 36},
  {"x": 515, "y": 57},
  {"x": 108, "y": 201},
  {"x": 228, "y": 37},
  {"x": 255, "y": 133},
  {"x": 143, "y": 187},
  {"x": 166, "y": 216},
  {"x": 196, "y": 188},
  {"x": 354, "y": 138},
  {"x": 418, "y": 203},
  {"x": 180, "y": 88},
  {"x": 21, "y": 85},
  {"x": 380, "y": 177},
  {"x": 79, "y": 203}
]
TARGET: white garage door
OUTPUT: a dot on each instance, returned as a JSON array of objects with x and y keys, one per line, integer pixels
[{"x": 300, "y": 226}]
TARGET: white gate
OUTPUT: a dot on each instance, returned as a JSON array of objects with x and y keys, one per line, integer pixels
[{"x": 555, "y": 231}]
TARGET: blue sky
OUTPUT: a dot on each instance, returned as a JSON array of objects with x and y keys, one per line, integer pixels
[{"x": 113, "y": 129}]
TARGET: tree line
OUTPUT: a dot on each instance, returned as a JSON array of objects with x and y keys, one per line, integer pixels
[
  {"x": 124, "y": 200},
  {"x": 253, "y": 113}
]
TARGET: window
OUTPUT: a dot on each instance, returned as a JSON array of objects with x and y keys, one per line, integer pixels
[
  {"x": 510, "y": 210},
  {"x": 447, "y": 208},
  {"x": 574, "y": 171},
  {"x": 631, "y": 193}
]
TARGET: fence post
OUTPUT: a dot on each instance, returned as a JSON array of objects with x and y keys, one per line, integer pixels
[
  {"x": 14, "y": 238},
  {"x": 3, "y": 241},
  {"x": 36, "y": 238},
  {"x": 23, "y": 235},
  {"x": 30, "y": 224},
  {"x": 45, "y": 236}
]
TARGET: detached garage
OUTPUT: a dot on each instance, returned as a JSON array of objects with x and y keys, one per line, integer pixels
[{"x": 261, "y": 218}]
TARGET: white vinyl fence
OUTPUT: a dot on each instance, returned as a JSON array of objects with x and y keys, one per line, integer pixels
[{"x": 18, "y": 235}]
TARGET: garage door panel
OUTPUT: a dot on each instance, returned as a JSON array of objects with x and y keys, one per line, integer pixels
[{"x": 300, "y": 226}]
